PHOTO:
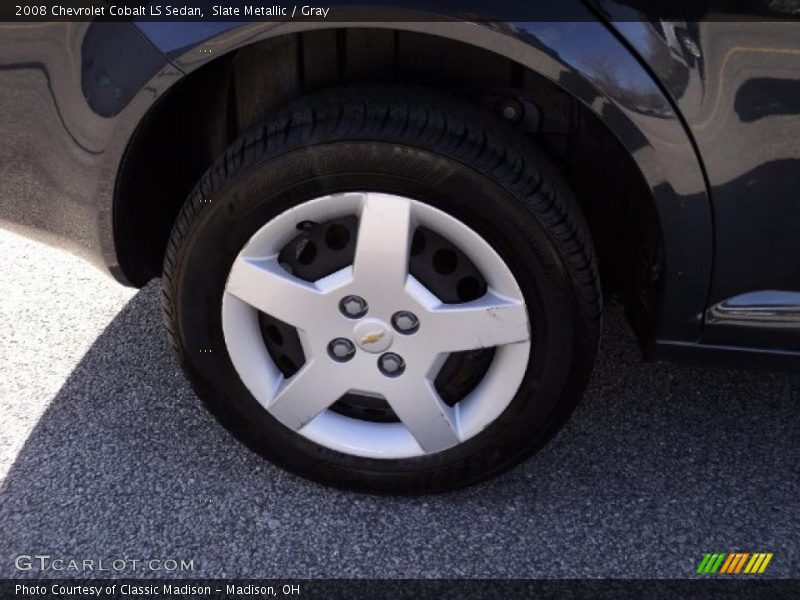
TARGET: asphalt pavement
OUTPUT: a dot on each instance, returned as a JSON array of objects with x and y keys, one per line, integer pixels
[{"x": 106, "y": 454}]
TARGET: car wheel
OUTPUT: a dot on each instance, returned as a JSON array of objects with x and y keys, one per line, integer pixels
[{"x": 384, "y": 288}]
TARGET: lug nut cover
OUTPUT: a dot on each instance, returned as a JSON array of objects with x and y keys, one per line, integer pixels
[
  {"x": 405, "y": 322},
  {"x": 353, "y": 307},
  {"x": 391, "y": 364},
  {"x": 341, "y": 349}
]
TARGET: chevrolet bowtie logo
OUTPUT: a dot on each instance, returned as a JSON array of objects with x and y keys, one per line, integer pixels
[{"x": 373, "y": 337}]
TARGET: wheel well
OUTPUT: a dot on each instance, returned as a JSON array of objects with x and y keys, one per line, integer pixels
[{"x": 208, "y": 109}]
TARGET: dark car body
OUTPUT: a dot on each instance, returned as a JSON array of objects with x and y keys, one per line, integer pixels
[{"x": 107, "y": 125}]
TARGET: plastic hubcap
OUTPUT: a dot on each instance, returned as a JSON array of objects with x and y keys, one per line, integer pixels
[{"x": 376, "y": 304}]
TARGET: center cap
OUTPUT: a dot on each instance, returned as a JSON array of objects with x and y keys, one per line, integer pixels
[{"x": 373, "y": 336}]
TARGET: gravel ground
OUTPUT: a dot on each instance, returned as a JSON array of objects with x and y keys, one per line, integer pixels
[{"x": 105, "y": 453}]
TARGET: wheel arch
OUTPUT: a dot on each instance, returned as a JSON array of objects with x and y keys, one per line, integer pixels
[{"x": 615, "y": 88}]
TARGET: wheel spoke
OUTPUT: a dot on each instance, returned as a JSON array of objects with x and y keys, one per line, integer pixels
[
  {"x": 384, "y": 237},
  {"x": 430, "y": 421},
  {"x": 484, "y": 323},
  {"x": 306, "y": 394},
  {"x": 265, "y": 285}
]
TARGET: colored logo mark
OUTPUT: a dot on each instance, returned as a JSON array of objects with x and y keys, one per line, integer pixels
[{"x": 734, "y": 563}]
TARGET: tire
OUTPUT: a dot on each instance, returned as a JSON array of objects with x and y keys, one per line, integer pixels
[{"x": 439, "y": 155}]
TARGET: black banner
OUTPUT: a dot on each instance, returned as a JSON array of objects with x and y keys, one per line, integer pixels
[
  {"x": 218, "y": 589},
  {"x": 390, "y": 10}
]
